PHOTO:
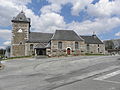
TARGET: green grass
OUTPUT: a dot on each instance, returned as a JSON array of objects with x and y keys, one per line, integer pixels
[
  {"x": 17, "y": 57},
  {"x": 88, "y": 54}
]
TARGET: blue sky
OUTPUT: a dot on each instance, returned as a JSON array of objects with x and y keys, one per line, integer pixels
[{"x": 82, "y": 16}]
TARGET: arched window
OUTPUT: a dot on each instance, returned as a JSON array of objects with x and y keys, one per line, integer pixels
[
  {"x": 76, "y": 45},
  {"x": 59, "y": 45},
  {"x": 31, "y": 46},
  {"x": 20, "y": 43}
]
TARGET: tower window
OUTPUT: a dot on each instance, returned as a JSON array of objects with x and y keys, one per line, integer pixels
[
  {"x": 20, "y": 31},
  {"x": 20, "y": 18}
]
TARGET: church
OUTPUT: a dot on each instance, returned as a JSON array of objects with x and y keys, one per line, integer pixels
[{"x": 60, "y": 43}]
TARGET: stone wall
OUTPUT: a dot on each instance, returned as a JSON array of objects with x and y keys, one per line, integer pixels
[
  {"x": 96, "y": 49},
  {"x": 18, "y": 50},
  {"x": 65, "y": 45},
  {"x": 28, "y": 51},
  {"x": 19, "y": 38}
]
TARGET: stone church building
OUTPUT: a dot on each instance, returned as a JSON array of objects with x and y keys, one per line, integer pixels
[{"x": 61, "y": 42}]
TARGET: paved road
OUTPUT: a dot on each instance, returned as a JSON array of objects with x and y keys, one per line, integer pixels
[
  {"x": 54, "y": 73},
  {"x": 106, "y": 81}
]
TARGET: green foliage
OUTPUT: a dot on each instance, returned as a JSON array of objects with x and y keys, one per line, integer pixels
[
  {"x": 88, "y": 54},
  {"x": 17, "y": 57},
  {"x": 2, "y": 52}
]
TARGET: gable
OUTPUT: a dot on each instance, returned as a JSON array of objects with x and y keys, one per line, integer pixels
[
  {"x": 66, "y": 35},
  {"x": 92, "y": 39}
]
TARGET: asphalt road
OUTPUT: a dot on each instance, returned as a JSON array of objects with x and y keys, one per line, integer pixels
[
  {"x": 73, "y": 73},
  {"x": 111, "y": 82}
]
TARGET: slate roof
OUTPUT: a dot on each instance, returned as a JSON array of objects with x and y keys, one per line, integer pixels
[
  {"x": 36, "y": 37},
  {"x": 21, "y": 18},
  {"x": 66, "y": 35},
  {"x": 92, "y": 39}
]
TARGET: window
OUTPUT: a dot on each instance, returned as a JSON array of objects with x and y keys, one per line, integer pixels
[
  {"x": 88, "y": 47},
  {"x": 31, "y": 46},
  {"x": 20, "y": 30},
  {"x": 20, "y": 43},
  {"x": 76, "y": 45},
  {"x": 59, "y": 45},
  {"x": 98, "y": 50},
  {"x": 98, "y": 45}
]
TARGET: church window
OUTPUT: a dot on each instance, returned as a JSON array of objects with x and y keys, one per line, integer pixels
[
  {"x": 20, "y": 43},
  {"x": 98, "y": 50},
  {"x": 88, "y": 47},
  {"x": 59, "y": 45},
  {"x": 98, "y": 45},
  {"x": 31, "y": 46},
  {"x": 76, "y": 45}
]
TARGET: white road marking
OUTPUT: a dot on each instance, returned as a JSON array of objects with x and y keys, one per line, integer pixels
[
  {"x": 110, "y": 81},
  {"x": 108, "y": 75}
]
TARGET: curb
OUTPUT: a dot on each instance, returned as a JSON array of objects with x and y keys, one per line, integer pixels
[{"x": 58, "y": 84}]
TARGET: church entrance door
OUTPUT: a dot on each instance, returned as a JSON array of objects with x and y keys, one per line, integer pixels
[{"x": 68, "y": 51}]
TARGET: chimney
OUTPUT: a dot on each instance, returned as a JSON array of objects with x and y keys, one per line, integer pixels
[{"x": 94, "y": 35}]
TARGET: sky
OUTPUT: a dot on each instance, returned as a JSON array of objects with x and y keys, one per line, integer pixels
[{"x": 82, "y": 16}]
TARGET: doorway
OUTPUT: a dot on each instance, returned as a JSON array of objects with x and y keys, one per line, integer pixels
[
  {"x": 41, "y": 51},
  {"x": 68, "y": 51}
]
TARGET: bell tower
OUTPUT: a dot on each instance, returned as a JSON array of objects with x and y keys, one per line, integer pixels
[{"x": 20, "y": 34}]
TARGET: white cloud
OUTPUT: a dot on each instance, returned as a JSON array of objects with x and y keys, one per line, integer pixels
[
  {"x": 7, "y": 43},
  {"x": 117, "y": 34},
  {"x": 50, "y": 18},
  {"x": 104, "y": 8},
  {"x": 5, "y": 34},
  {"x": 21, "y": 2},
  {"x": 7, "y": 10},
  {"x": 51, "y": 8},
  {"x": 10, "y": 8},
  {"x": 79, "y": 5},
  {"x": 2, "y": 47},
  {"x": 50, "y": 21},
  {"x": 98, "y": 25}
]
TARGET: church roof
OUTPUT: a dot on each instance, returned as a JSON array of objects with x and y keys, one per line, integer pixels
[
  {"x": 66, "y": 35},
  {"x": 21, "y": 18},
  {"x": 40, "y": 37},
  {"x": 92, "y": 39}
]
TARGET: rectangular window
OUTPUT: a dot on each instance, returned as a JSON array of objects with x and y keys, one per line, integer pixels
[
  {"x": 76, "y": 45},
  {"x": 59, "y": 45},
  {"x": 98, "y": 50},
  {"x": 88, "y": 47}
]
